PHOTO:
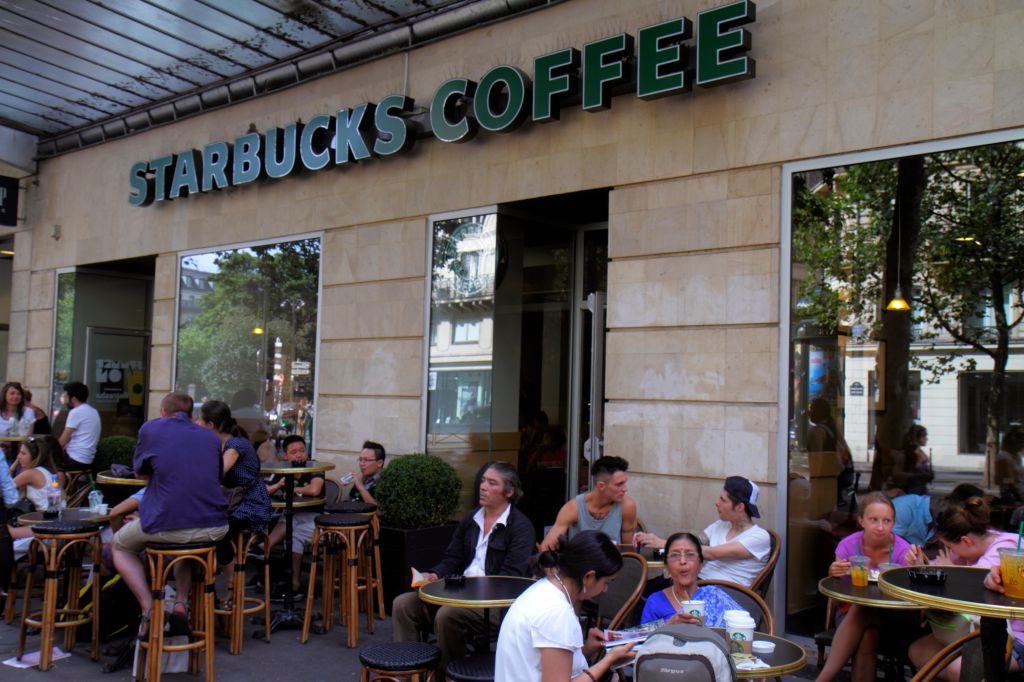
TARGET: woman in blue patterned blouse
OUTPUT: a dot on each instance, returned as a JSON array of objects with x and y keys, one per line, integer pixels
[
  {"x": 683, "y": 561},
  {"x": 241, "y": 470}
]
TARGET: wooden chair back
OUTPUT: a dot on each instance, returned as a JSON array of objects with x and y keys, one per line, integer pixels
[{"x": 748, "y": 600}]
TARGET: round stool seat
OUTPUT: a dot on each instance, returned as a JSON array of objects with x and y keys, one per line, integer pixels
[
  {"x": 58, "y": 527},
  {"x": 173, "y": 547},
  {"x": 342, "y": 520},
  {"x": 398, "y": 656},
  {"x": 352, "y": 507},
  {"x": 472, "y": 669}
]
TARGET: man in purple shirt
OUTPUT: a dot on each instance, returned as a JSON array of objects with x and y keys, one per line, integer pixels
[{"x": 183, "y": 502}]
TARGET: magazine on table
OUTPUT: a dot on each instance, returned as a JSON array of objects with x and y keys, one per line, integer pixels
[{"x": 639, "y": 633}]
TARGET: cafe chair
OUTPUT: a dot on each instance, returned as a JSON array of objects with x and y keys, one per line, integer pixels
[
  {"x": 479, "y": 668},
  {"x": 369, "y": 565},
  {"x": 399, "y": 662},
  {"x": 949, "y": 653},
  {"x": 749, "y": 600},
  {"x": 332, "y": 492},
  {"x": 162, "y": 558},
  {"x": 763, "y": 580},
  {"x": 623, "y": 593},
  {"x": 60, "y": 547},
  {"x": 334, "y": 536},
  {"x": 241, "y": 604}
]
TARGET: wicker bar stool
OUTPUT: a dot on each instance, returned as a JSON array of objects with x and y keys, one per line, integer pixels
[
  {"x": 478, "y": 668},
  {"x": 370, "y": 570},
  {"x": 162, "y": 559},
  {"x": 333, "y": 534},
  {"x": 243, "y": 605},
  {"x": 61, "y": 544},
  {"x": 397, "y": 661}
]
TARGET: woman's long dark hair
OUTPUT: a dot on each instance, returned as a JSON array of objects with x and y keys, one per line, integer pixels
[
  {"x": 970, "y": 517},
  {"x": 45, "y": 452},
  {"x": 19, "y": 410},
  {"x": 218, "y": 413},
  {"x": 588, "y": 550}
]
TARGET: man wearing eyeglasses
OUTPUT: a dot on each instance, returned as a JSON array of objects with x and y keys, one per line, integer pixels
[{"x": 364, "y": 480}]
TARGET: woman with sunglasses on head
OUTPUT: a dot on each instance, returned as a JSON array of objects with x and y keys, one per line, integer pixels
[
  {"x": 683, "y": 561},
  {"x": 967, "y": 539},
  {"x": 38, "y": 466}
]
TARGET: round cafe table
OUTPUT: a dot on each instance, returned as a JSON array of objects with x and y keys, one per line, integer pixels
[
  {"x": 479, "y": 592},
  {"x": 963, "y": 592},
  {"x": 842, "y": 589},
  {"x": 787, "y": 658},
  {"x": 289, "y": 615},
  {"x": 74, "y": 514},
  {"x": 108, "y": 478}
]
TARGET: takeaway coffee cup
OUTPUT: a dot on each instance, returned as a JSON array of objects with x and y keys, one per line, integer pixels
[
  {"x": 694, "y": 607},
  {"x": 740, "y": 632}
]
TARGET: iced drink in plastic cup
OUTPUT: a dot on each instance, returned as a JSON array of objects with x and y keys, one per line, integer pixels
[
  {"x": 859, "y": 566},
  {"x": 1011, "y": 563}
]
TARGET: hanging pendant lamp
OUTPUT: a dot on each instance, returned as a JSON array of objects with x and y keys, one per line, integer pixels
[{"x": 898, "y": 303}]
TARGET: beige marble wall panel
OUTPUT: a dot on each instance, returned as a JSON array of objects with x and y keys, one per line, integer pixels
[
  {"x": 377, "y": 367},
  {"x": 37, "y": 367},
  {"x": 373, "y": 310},
  {"x": 736, "y": 364},
  {"x": 163, "y": 322},
  {"x": 375, "y": 252},
  {"x": 1008, "y": 100},
  {"x": 16, "y": 366},
  {"x": 693, "y": 440},
  {"x": 23, "y": 241},
  {"x": 160, "y": 366},
  {"x": 733, "y": 287},
  {"x": 343, "y": 423},
  {"x": 20, "y": 288},
  {"x": 40, "y": 292},
  {"x": 693, "y": 214},
  {"x": 669, "y": 504},
  {"x": 40, "y": 328},
  {"x": 18, "y": 335},
  {"x": 164, "y": 276}
]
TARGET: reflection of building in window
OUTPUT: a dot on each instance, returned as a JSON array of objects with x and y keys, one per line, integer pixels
[
  {"x": 467, "y": 332},
  {"x": 194, "y": 285},
  {"x": 973, "y": 404}
]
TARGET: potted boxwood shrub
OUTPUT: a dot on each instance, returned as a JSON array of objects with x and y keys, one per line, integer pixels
[{"x": 417, "y": 495}]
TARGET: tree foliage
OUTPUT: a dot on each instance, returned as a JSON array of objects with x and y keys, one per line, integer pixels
[{"x": 273, "y": 287}]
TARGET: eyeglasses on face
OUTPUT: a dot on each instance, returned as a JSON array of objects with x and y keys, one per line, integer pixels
[{"x": 683, "y": 556}]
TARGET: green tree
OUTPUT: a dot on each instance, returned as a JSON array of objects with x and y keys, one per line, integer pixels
[{"x": 952, "y": 225}]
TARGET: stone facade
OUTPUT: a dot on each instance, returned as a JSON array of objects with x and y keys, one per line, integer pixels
[{"x": 695, "y": 219}]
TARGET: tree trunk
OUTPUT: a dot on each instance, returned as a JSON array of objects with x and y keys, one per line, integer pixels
[
  {"x": 901, "y": 246},
  {"x": 996, "y": 416}
]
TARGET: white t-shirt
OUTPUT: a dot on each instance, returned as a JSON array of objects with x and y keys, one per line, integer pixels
[
  {"x": 28, "y": 418},
  {"x": 85, "y": 421},
  {"x": 541, "y": 618},
  {"x": 741, "y": 571}
]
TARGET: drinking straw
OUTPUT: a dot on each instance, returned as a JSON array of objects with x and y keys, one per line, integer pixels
[{"x": 1020, "y": 531}]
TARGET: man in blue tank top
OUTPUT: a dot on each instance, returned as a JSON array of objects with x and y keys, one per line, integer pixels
[{"x": 606, "y": 508}]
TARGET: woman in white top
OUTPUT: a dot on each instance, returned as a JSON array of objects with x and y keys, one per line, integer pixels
[
  {"x": 37, "y": 462},
  {"x": 14, "y": 408},
  {"x": 540, "y": 639}
]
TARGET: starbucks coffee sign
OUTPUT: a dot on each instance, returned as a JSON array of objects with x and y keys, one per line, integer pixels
[{"x": 662, "y": 60}]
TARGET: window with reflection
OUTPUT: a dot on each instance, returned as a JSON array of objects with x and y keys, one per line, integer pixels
[
  {"x": 906, "y": 337},
  {"x": 247, "y": 329}
]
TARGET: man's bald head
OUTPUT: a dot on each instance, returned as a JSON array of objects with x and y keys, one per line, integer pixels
[{"x": 173, "y": 403}]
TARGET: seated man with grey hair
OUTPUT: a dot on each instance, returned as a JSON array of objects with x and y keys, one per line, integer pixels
[{"x": 493, "y": 539}]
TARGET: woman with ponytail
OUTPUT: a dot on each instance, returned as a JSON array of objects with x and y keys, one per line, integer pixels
[
  {"x": 540, "y": 638},
  {"x": 963, "y": 529},
  {"x": 241, "y": 471}
]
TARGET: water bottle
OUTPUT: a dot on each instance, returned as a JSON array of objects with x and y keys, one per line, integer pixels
[
  {"x": 54, "y": 498},
  {"x": 95, "y": 500}
]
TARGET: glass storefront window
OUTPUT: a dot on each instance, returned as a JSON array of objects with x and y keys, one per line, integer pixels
[
  {"x": 63, "y": 337},
  {"x": 247, "y": 329},
  {"x": 943, "y": 230}
]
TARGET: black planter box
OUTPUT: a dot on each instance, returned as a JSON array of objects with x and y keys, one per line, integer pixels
[{"x": 400, "y": 549}]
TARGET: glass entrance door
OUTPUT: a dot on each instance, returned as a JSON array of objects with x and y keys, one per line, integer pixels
[
  {"x": 116, "y": 365},
  {"x": 509, "y": 368}
]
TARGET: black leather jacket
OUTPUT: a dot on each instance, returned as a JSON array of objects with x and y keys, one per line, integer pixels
[{"x": 508, "y": 550}]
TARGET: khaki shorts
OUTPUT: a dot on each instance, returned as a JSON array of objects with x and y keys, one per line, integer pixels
[{"x": 131, "y": 537}]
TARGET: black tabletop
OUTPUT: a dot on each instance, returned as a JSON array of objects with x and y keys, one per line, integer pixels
[
  {"x": 483, "y": 592},
  {"x": 964, "y": 591},
  {"x": 72, "y": 514},
  {"x": 843, "y": 590},
  {"x": 788, "y": 657}
]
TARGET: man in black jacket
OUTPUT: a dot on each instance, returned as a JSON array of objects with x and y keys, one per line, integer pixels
[{"x": 493, "y": 539}]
